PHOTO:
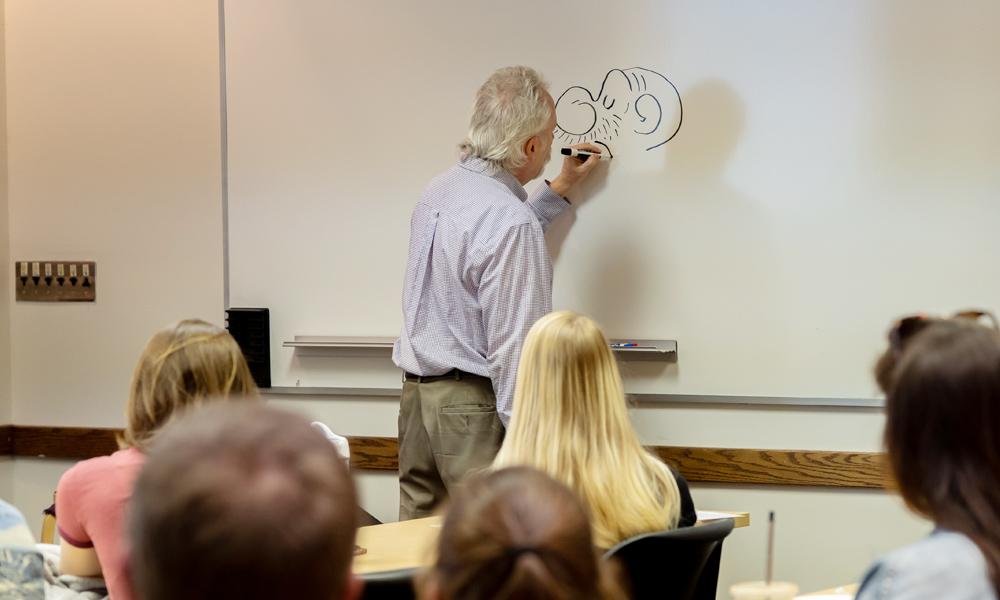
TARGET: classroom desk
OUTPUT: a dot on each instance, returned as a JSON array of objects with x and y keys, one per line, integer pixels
[
  {"x": 409, "y": 544},
  {"x": 843, "y": 591}
]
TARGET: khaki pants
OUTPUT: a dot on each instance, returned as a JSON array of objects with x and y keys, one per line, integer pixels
[{"x": 447, "y": 428}]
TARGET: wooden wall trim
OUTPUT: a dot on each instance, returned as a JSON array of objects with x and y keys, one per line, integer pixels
[
  {"x": 712, "y": 465},
  {"x": 778, "y": 467},
  {"x": 698, "y": 465},
  {"x": 375, "y": 453},
  {"x": 63, "y": 442}
]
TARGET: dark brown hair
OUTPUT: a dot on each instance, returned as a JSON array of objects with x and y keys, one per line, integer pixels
[
  {"x": 942, "y": 433},
  {"x": 516, "y": 533},
  {"x": 238, "y": 500}
]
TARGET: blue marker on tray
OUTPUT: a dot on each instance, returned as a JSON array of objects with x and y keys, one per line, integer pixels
[{"x": 625, "y": 345}]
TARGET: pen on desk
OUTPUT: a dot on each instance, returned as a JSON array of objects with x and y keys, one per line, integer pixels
[{"x": 583, "y": 154}]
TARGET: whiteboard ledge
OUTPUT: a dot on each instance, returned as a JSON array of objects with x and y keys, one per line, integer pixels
[
  {"x": 639, "y": 399},
  {"x": 339, "y": 342},
  {"x": 645, "y": 349}
]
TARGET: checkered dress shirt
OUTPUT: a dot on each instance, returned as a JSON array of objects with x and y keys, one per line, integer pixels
[{"x": 478, "y": 275}]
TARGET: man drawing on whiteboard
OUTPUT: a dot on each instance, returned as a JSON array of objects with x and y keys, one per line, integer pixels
[{"x": 477, "y": 278}]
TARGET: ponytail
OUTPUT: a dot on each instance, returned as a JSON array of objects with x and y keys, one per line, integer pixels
[{"x": 517, "y": 534}]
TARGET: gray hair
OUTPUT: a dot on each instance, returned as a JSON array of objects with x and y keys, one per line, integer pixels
[{"x": 510, "y": 108}]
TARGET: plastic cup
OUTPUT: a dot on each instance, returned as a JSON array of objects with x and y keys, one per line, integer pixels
[{"x": 760, "y": 590}]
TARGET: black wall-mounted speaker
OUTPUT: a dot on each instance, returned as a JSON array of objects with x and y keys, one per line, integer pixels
[{"x": 251, "y": 328}]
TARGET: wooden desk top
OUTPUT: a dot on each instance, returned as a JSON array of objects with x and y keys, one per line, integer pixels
[
  {"x": 410, "y": 544},
  {"x": 402, "y": 545},
  {"x": 845, "y": 591}
]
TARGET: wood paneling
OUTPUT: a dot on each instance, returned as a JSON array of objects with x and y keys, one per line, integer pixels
[
  {"x": 778, "y": 467},
  {"x": 375, "y": 453},
  {"x": 711, "y": 465},
  {"x": 698, "y": 465},
  {"x": 63, "y": 442}
]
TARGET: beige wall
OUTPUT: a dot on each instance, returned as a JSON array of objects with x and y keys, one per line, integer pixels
[
  {"x": 7, "y": 479},
  {"x": 35, "y": 480},
  {"x": 114, "y": 156},
  {"x": 6, "y": 291}
]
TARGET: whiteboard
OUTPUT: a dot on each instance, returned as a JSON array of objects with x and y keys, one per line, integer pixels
[{"x": 835, "y": 166}]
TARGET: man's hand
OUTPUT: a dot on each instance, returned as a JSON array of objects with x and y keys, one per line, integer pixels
[{"x": 575, "y": 170}]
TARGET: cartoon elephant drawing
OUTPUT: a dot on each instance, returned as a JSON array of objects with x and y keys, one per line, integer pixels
[{"x": 633, "y": 101}]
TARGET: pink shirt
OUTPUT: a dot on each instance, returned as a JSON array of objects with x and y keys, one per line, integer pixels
[{"x": 90, "y": 512}]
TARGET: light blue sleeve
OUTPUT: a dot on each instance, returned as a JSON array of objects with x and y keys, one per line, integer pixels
[
  {"x": 943, "y": 565},
  {"x": 877, "y": 583},
  {"x": 22, "y": 574},
  {"x": 14, "y": 532}
]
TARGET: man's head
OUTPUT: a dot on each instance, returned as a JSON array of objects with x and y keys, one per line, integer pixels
[
  {"x": 243, "y": 501},
  {"x": 512, "y": 124}
]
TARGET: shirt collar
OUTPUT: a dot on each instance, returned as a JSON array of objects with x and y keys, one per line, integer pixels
[{"x": 494, "y": 171}]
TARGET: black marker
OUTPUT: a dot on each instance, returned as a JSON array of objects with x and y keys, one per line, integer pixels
[{"x": 583, "y": 154}]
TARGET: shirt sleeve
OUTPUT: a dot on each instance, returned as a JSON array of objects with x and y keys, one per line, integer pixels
[
  {"x": 14, "y": 532},
  {"x": 69, "y": 497},
  {"x": 514, "y": 292},
  {"x": 546, "y": 204}
]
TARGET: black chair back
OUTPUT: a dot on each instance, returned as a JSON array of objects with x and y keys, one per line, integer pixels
[
  {"x": 681, "y": 564},
  {"x": 389, "y": 585}
]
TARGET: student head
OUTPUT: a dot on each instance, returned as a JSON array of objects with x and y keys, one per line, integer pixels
[
  {"x": 512, "y": 124},
  {"x": 238, "y": 500},
  {"x": 515, "y": 533},
  {"x": 181, "y": 366},
  {"x": 570, "y": 421},
  {"x": 941, "y": 378}
]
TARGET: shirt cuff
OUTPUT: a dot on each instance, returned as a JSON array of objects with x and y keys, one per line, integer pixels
[
  {"x": 546, "y": 204},
  {"x": 548, "y": 184}
]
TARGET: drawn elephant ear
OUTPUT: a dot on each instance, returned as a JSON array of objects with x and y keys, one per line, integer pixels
[
  {"x": 648, "y": 114},
  {"x": 575, "y": 111},
  {"x": 662, "y": 106}
]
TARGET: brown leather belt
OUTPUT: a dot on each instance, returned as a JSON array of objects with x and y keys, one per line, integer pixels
[{"x": 454, "y": 374}]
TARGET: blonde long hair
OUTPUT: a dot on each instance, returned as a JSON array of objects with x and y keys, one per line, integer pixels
[
  {"x": 183, "y": 365},
  {"x": 570, "y": 421}
]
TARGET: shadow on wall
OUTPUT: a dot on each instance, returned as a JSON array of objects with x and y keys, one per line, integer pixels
[
  {"x": 683, "y": 237},
  {"x": 713, "y": 125},
  {"x": 721, "y": 241}
]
